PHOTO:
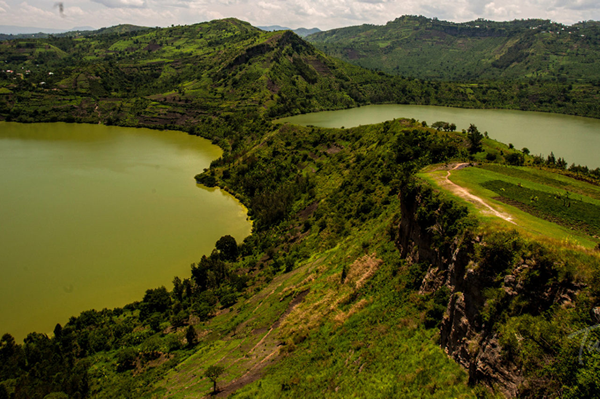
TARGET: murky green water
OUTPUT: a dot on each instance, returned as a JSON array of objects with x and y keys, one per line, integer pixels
[
  {"x": 92, "y": 216},
  {"x": 576, "y": 139}
]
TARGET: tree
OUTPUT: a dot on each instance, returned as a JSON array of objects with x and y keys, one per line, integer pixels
[
  {"x": 155, "y": 301},
  {"x": 177, "y": 292},
  {"x": 515, "y": 159},
  {"x": 3, "y": 392},
  {"x": 126, "y": 359},
  {"x": 475, "y": 138},
  {"x": 438, "y": 125},
  {"x": 228, "y": 248},
  {"x": 213, "y": 372},
  {"x": 190, "y": 335}
]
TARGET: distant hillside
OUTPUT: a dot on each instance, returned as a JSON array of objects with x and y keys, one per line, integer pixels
[
  {"x": 133, "y": 77},
  {"x": 478, "y": 50},
  {"x": 19, "y": 30},
  {"x": 174, "y": 77},
  {"x": 14, "y": 32},
  {"x": 302, "y": 32}
]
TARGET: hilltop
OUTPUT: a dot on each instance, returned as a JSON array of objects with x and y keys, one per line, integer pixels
[
  {"x": 302, "y": 32},
  {"x": 479, "y": 50}
]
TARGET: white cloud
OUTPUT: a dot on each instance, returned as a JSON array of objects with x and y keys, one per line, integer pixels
[
  {"x": 123, "y": 3},
  {"x": 324, "y": 14},
  {"x": 581, "y": 5},
  {"x": 268, "y": 6}
]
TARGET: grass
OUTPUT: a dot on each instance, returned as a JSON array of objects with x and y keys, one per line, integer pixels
[
  {"x": 571, "y": 212},
  {"x": 361, "y": 338},
  {"x": 543, "y": 184}
]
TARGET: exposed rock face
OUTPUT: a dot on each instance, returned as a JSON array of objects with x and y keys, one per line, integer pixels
[{"x": 463, "y": 333}]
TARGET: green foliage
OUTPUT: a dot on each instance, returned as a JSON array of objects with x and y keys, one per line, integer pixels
[
  {"x": 433, "y": 316},
  {"x": 213, "y": 373},
  {"x": 155, "y": 301},
  {"x": 126, "y": 359},
  {"x": 488, "y": 50},
  {"x": 563, "y": 208},
  {"x": 227, "y": 247},
  {"x": 191, "y": 336},
  {"x": 475, "y": 137},
  {"x": 320, "y": 199}
]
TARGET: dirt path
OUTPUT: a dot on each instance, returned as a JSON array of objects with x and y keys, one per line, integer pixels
[
  {"x": 256, "y": 370},
  {"x": 462, "y": 192}
]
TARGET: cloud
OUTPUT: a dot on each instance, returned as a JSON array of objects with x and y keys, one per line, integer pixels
[
  {"x": 268, "y": 6},
  {"x": 324, "y": 14},
  {"x": 580, "y": 5},
  {"x": 74, "y": 12},
  {"x": 123, "y": 3}
]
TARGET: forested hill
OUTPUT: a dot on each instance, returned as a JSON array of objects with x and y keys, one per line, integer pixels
[
  {"x": 177, "y": 76},
  {"x": 181, "y": 76},
  {"x": 432, "y": 49}
]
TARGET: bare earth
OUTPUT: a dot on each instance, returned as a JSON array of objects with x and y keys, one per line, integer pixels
[{"x": 463, "y": 193}]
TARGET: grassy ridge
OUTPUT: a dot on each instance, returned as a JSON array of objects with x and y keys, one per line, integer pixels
[{"x": 318, "y": 301}]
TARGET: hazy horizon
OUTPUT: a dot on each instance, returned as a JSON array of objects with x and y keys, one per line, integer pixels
[{"x": 325, "y": 15}]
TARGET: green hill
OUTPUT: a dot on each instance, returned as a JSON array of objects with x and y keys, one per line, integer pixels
[
  {"x": 362, "y": 278},
  {"x": 426, "y": 48}
]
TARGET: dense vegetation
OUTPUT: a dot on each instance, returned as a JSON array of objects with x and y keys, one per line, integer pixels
[
  {"x": 186, "y": 77},
  {"x": 323, "y": 299},
  {"x": 534, "y": 50}
]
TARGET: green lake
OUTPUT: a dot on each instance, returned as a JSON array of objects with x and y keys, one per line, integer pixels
[
  {"x": 576, "y": 139},
  {"x": 91, "y": 216}
]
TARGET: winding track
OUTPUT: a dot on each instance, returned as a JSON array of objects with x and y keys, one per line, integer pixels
[{"x": 466, "y": 195}]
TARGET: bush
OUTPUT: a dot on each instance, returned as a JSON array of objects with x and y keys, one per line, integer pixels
[
  {"x": 126, "y": 359},
  {"x": 203, "y": 310}
]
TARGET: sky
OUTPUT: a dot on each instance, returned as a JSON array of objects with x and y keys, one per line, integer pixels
[{"x": 324, "y": 14}]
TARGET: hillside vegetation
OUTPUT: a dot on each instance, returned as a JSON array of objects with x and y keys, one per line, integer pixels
[
  {"x": 419, "y": 47},
  {"x": 360, "y": 279},
  {"x": 345, "y": 288},
  {"x": 182, "y": 76}
]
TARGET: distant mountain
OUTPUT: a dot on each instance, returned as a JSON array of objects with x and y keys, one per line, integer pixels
[
  {"x": 77, "y": 31},
  {"x": 19, "y": 30},
  {"x": 302, "y": 32},
  {"x": 426, "y": 48},
  {"x": 83, "y": 28},
  {"x": 273, "y": 28}
]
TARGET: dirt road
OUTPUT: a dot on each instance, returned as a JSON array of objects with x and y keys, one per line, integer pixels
[{"x": 463, "y": 193}]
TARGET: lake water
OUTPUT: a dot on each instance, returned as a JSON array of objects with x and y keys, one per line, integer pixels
[
  {"x": 576, "y": 139},
  {"x": 91, "y": 216}
]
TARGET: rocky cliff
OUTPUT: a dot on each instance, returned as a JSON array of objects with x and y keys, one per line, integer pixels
[{"x": 486, "y": 275}]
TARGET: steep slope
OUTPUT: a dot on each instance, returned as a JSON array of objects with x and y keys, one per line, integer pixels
[
  {"x": 431, "y": 49},
  {"x": 356, "y": 281}
]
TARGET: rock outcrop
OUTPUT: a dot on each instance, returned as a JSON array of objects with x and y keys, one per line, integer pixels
[{"x": 455, "y": 264}]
